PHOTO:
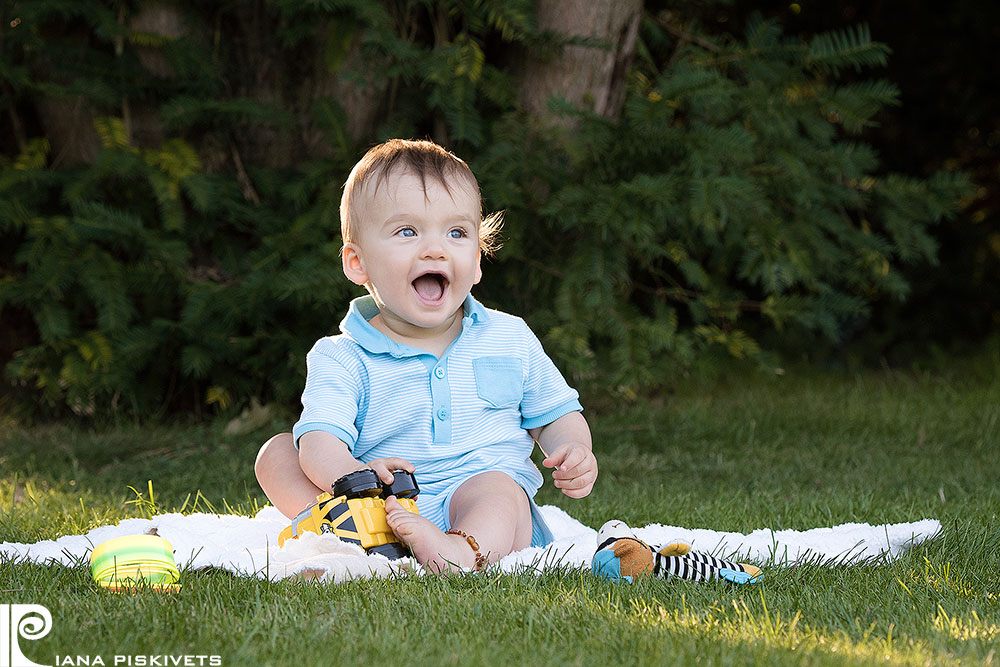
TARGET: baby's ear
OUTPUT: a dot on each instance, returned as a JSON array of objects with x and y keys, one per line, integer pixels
[{"x": 353, "y": 267}]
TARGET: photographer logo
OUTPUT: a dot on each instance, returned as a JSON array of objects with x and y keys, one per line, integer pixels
[{"x": 30, "y": 621}]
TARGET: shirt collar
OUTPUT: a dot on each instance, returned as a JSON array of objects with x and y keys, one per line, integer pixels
[{"x": 357, "y": 327}]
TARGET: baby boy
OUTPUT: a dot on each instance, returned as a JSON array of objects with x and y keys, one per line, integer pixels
[{"x": 424, "y": 379}]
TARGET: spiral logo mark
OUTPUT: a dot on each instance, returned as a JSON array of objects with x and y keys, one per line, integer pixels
[{"x": 30, "y": 621}]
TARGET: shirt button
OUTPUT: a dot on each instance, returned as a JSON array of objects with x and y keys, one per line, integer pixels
[
  {"x": 442, "y": 414},
  {"x": 439, "y": 372}
]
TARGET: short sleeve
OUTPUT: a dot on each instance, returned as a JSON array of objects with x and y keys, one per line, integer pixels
[
  {"x": 547, "y": 396},
  {"x": 332, "y": 397}
]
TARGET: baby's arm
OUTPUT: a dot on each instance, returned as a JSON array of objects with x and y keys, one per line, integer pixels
[
  {"x": 325, "y": 458},
  {"x": 567, "y": 445}
]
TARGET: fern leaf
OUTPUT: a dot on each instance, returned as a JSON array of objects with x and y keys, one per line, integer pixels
[
  {"x": 855, "y": 104},
  {"x": 111, "y": 132},
  {"x": 850, "y": 47},
  {"x": 196, "y": 361},
  {"x": 34, "y": 156},
  {"x": 761, "y": 34},
  {"x": 54, "y": 321}
]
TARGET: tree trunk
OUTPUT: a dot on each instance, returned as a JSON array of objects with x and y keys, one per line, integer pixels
[
  {"x": 295, "y": 80},
  {"x": 590, "y": 76}
]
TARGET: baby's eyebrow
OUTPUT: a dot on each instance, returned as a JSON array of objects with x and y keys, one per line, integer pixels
[
  {"x": 398, "y": 217},
  {"x": 413, "y": 217}
]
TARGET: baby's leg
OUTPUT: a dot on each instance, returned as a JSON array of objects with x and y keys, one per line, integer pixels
[
  {"x": 490, "y": 507},
  {"x": 280, "y": 476}
]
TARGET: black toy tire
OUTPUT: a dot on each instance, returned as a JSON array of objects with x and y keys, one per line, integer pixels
[
  {"x": 358, "y": 484},
  {"x": 391, "y": 550},
  {"x": 404, "y": 485}
]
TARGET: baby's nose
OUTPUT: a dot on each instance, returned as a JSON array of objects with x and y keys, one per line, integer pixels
[{"x": 432, "y": 249}]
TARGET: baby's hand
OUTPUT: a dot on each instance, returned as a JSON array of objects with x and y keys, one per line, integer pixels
[
  {"x": 384, "y": 467},
  {"x": 575, "y": 469}
]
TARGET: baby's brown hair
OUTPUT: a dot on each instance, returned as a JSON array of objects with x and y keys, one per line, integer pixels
[{"x": 425, "y": 159}]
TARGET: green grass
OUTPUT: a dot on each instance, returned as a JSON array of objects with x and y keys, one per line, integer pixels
[{"x": 735, "y": 453}]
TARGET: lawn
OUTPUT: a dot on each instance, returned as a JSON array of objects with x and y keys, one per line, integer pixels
[{"x": 736, "y": 452}]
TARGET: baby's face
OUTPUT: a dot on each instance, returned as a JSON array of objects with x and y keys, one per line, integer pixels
[{"x": 417, "y": 252}]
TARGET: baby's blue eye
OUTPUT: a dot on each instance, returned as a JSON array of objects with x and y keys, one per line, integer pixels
[
  {"x": 457, "y": 234},
  {"x": 407, "y": 232}
]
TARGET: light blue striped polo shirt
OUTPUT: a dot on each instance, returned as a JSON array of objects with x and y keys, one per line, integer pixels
[{"x": 452, "y": 417}]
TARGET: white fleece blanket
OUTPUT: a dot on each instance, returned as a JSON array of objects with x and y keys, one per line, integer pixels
[{"x": 249, "y": 546}]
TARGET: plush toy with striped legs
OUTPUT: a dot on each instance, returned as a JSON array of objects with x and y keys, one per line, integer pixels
[{"x": 621, "y": 555}]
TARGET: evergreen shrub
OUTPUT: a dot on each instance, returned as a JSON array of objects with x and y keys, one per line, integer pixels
[
  {"x": 733, "y": 200},
  {"x": 734, "y": 197}
]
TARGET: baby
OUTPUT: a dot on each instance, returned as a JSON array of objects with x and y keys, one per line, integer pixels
[{"x": 424, "y": 379}]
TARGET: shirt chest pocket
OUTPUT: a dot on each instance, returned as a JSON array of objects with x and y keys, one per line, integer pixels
[{"x": 498, "y": 380}]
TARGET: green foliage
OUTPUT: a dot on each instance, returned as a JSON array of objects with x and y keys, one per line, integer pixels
[
  {"x": 166, "y": 274},
  {"x": 733, "y": 198},
  {"x": 153, "y": 289},
  {"x": 177, "y": 267}
]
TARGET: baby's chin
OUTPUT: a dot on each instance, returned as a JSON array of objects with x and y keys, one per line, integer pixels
[
  {"x": 421, "y": 321},
  {"x": 436, "y": 319}
]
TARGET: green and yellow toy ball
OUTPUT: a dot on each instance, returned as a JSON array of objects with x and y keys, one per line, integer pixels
[{"x": 135, "y": 563}]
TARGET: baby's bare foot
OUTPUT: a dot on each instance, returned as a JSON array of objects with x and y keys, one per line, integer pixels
[{"x": 435, "y": 550}]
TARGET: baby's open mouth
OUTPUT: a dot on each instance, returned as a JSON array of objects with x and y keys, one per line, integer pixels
[{"x": 430, "y": 286}]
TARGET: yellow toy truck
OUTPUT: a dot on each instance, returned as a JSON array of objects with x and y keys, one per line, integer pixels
[{"x": 356, "y": 512}]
